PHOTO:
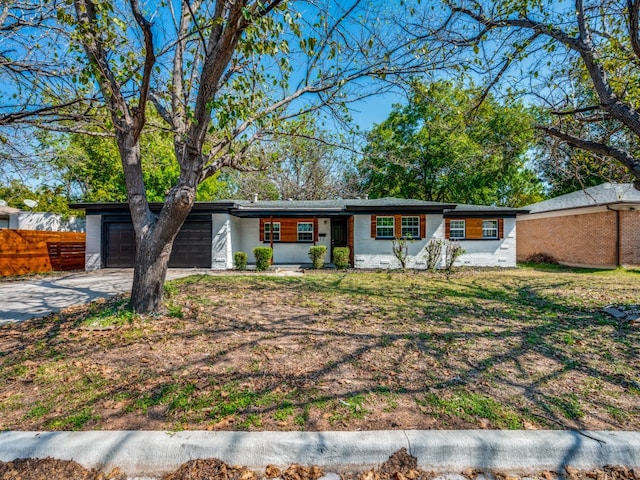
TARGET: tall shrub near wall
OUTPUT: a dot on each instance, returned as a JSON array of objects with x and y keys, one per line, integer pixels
[{"x": 25, "y": 251}]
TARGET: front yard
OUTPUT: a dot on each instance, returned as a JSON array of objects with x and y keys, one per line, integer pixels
[{"x": 526, "y": 348}]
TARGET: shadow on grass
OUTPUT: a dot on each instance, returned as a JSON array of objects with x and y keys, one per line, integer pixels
[{"x": 496, "y": 351}]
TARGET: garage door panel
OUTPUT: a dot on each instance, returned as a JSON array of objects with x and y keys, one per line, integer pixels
[
  {"x": 191, "y": 248},
  {"x": 120, "y": 245}
]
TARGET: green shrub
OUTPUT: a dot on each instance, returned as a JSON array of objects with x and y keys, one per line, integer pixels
[
  {"x": 263, "y": 258},
  {"x": 317, "y": 253},
  {"x": 341, "y": 257},
  {"x": 240, "y": 260}
]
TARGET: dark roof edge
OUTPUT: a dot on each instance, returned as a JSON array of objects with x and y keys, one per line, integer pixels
[
  {"x": 398, "y": 208},
  {"x": 155, "y": 206},
  {"x": 593, "y": 205},
  {"x": 502, "y": 212},
  {"x": 287, "y": 212}
]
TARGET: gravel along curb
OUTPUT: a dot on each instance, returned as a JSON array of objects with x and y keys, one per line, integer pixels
[{"x": 152, "y": 453}]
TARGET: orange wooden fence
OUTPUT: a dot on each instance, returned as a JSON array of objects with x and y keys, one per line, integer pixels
[{"x": 32, "y": 251}]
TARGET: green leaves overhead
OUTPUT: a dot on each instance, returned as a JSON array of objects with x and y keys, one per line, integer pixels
[{"x": 444, "y": 146}]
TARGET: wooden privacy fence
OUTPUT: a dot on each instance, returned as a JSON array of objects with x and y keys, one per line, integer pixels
[{"x": 33, "y": 251}]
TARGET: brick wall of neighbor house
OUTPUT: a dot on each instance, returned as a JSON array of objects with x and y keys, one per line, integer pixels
[
  {"x": 579, "y": 240},
  {"x": 630, "y": 237}
]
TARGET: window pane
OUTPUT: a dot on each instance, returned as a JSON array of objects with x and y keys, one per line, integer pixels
[
  {"x": 457, "y": 229},
  {"x": 490, "y": 229},
  {"x": 384, "y": 227},
  {"x": 411, "y": 227},
  {"x": 276, "y": 231},
  {"x": 305, "y": 232}
]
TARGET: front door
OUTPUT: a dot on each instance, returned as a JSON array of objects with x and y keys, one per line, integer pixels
[{"x": 338, "y": 233}]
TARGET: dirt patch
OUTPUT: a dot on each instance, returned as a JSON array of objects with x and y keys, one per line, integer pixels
[
  {"x": 52, "y": 469},
  {"x": 505, "y": 349}
]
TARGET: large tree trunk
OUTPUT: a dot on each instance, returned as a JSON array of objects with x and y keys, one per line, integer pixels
[
  {"x": 149, "y": 275},
  {"x": 154, "y": 242}
]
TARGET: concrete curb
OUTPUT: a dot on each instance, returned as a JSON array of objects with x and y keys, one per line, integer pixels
[{"x": 151, "y": 453}]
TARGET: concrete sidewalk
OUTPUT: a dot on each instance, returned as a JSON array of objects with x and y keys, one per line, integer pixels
[{"x": 150, "y": 454}]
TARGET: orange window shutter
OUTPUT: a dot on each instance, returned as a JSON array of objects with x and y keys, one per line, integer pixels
[
  {"x": 288, "y": 230},
  {"x": 315, "y": 229},
  {"x": 474, "y": 228},
  {"x": 447, "y": 228},
  {"x": 373, "y": 226},
  {"x": 397, "y": 226},
  {"x": 423, "y": 226},
  {"x": 501, "y": 228},
  {"x": 262, "y": 229}
]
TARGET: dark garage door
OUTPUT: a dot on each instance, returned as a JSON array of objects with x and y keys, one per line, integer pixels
[{"x": 192, "y": 247}]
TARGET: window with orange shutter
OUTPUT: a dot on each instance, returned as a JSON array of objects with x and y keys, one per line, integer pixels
[
  {"x": 490, "y": 229},
  {"x": 457, "y": 230}
]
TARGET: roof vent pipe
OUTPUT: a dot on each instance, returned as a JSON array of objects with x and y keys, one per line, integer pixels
[
  {"x": 255, "y": 198},
  {"x": 366, "y": 196}
]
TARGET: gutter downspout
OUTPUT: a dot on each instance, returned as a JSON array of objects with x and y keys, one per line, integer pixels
[{"x": 618, "y": 262}]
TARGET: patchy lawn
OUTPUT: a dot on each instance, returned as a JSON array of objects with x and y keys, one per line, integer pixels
[{"x": 526, "y": 348}]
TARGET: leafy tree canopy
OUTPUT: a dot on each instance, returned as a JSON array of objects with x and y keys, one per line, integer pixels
[
  {"x": 90, "y": 168},
  {"x": 50, "y": 199},
  {"x": 446, "y": 146},
  {"x": 579, "y": 60}
]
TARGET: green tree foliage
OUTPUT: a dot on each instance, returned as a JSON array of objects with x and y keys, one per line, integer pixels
[
  {"x": 50, "y": 199},
  {"x": 444, "y": 146},
  {"x": 90, "y": 167},
  {"x": 579, "y": 60},
  {"x": 222, "y": 74}
]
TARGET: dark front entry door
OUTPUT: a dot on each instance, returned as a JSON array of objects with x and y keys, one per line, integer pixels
[{"x": 338, "y": 233}]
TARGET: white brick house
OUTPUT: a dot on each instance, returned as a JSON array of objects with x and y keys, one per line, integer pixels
[{"x": 216, "y": 230}]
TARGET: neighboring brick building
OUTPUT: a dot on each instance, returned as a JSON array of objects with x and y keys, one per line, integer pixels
[{"x": 596, "y": 227}]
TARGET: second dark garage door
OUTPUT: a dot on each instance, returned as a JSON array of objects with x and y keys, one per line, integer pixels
[{"x": 192, "y": 247}]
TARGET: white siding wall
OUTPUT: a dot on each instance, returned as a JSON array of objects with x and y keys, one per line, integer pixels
[
  {"x": 221, "y": 248},
  {"x": 245, "y": 236},
  {"x": 46, "y": 221},
  {"x": 491, "y": 253},
  {"x": 372, "y": 253},
  {"x": 93, "y": 259}
]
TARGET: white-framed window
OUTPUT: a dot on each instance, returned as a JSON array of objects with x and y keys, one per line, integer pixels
[
  {"x": 305, "y": 232},
  {"x": 410, "y": 227},
  {"x": 276, "y": 231},
  {"x": 385, "y": 227},
  {"x": 457, "y": 229},
  {"x": 490, "y": 229}
]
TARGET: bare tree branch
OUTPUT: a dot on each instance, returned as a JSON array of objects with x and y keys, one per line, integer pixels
[
  {"x": 149, "y": 61},
  {"x": 634, "y": 25},
  {"x": 614, "y": 152}
]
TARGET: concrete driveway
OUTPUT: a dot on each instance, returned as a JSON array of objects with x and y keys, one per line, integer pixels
[{"x": 24, "y": 299}]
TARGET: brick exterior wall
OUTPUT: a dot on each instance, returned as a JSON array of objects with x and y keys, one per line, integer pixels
[
  {"x": 580, "y": 240},
  {"x": 630, "y": 238}
]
